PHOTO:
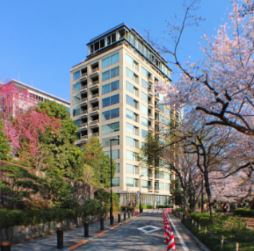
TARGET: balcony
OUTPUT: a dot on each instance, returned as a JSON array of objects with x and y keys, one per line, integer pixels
[
  {"x": 94, "y": 70},
  {"x": 94, "y": 97},
  {"x": 83, "y": 112},
  {"x": 94, "y": 123},
  {"x": 83, "y": 88},
  {"x": 95, "y": 134},
  {"x": 95, "y": 108},
  {"x": 94, "y": 85},
  {"x": 85, "y": 137},
  {"x": 83, "y": 125},
  {"x": 83, "y": 100},
  {"x": 83, "y": 76}
]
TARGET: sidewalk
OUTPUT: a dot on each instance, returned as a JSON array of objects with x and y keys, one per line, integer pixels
[
  {"x": 72, "y": 238},
  {"x": 185, "y": 240}
]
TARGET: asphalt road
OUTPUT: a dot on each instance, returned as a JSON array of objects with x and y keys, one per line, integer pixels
[
  {"x": 130, "y": 237},
  {"x": 126, "y": 237}
]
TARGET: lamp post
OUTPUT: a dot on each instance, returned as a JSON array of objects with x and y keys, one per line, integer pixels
[{"x": 111, "y": 178}]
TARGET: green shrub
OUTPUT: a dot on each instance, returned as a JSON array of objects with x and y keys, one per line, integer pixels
[
  {"x": 164, "y": 206},
  {"x": 9, "y": 217},
  {"x": 244, "y": 212},
  {"x": 212, "y": 228}
]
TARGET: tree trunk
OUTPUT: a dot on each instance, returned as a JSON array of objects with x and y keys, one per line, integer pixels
[{"x": 208, "y": 191}]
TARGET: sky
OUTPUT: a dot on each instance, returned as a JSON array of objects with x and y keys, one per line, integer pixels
[{"x": 40, "y": 40}]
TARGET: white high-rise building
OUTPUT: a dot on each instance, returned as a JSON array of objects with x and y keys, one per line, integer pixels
[{"x": 113, "y": 95}]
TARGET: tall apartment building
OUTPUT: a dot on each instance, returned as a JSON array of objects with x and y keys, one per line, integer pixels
[
  {"x": 16, "y": 96},
  {"x": 113, "y": 95}
]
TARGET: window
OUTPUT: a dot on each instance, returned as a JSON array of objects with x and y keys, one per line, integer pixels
[
  {"x": 110, "y": 128},
  {"x": 76, "y": 111},
  {"x": 115, "y": 154},
  {"x": 116, "y": 181},
  {"x": 144, "y": 121},
  {"x": 145, "y": 72},
  {"x": 130, "y": 61},
  {"x": 131, "y": 75},
  {"x": 76, "y": 87},
  {"x": 110, "y": 87},
  {"x": 144, "y": 133},
  {"x": 132, "y": 142},
  {"x": 133, "y": 156},
  {"x": 144, "y": 171},
  {"x": 110, "y": 60},
  {"x": 110, "y": 100},
  {"x": 144, "y": 84},
  {"x": 114, "y": 72},
  {"x": 132, "y": 169},
  {"x": 166, "y": 176},
  {"x": 111, "y": 114},
  {"x": 76, "y": 75},
  {"x": 132, "y": 129},
  {"x": 144, "y": 183},
  {"x": 131, "y": 88},
  {"x": 144, "y": 110},
  {"x": 131, "y": 115},
  {"x": 144, "y": 97},
  {"x": 106, "y": 142},
  {"x": 131, "y": 182},
  {"x": 117, "y": 167},
  {"x": 131, "y": 101}
]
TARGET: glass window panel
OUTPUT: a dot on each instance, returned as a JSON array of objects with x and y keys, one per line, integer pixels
[
  {"x": 110, "y": 128},
  {"x": 144, "y": 133},
  {"x": 114, "y": 113},
  {"x": 106, "y": 89},
  {"x": 114, "y": 85},
  {"x": 106, "y": 102},
  {"x": 106, "y": 75},
  {"x": 144, "y": 97},
  {"x": 145, "y": 84},
  {"x": 144, "y": 109},
  {"x": 76, "y": 75},
  {"x": 116, "y": 181},
  {"x": 144, "y": 121},
  {"x": 110, "y": 87},
  {"x": 115, "y": 99},
  {"x": 110, "y": 60}
]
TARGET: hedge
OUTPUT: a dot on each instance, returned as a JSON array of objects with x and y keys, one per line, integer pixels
[
  {"x": 244, "y": 212},
  {"x": 9, "y": 217}
]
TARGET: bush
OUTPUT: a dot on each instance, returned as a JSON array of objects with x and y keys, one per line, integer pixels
[
  {"x": 9, "y": 217},
  {"x": 164, "y": 206},
  {"x": 202, "y": 218},
  {"x": 244, "y": 212},
  {"x": 212, "y": 228}
]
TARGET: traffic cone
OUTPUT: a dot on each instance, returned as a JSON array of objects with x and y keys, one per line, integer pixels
[{"x": 171, "y": 242}]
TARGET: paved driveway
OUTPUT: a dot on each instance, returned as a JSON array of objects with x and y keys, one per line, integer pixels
[{"x": 129, "y": 237}]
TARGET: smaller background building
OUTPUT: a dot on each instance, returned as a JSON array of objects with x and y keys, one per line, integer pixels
[{"x": 16, "y": 96}]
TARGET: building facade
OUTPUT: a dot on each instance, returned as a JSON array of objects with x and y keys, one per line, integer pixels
[
  {"x": 113, "y": 95},
  {"x": 16, "y": 97}
]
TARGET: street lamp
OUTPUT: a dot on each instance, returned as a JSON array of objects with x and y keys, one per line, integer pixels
[{"x": 111, "y": 178}]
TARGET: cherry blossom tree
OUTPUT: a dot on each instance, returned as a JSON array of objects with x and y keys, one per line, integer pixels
[
  {"x": 24, "y": 130},
  {"x": 220, "y": 86}
]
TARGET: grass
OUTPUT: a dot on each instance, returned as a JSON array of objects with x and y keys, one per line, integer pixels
[{"x": 210, "y": 231}]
